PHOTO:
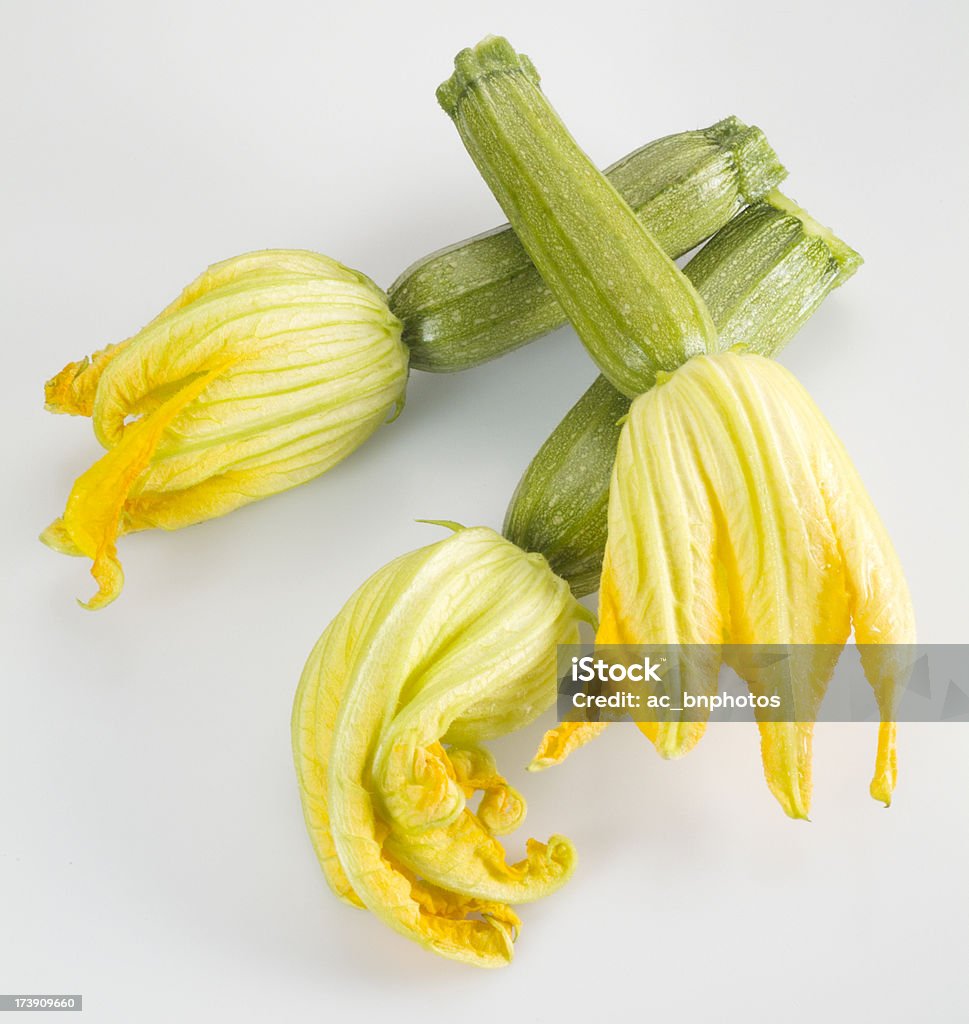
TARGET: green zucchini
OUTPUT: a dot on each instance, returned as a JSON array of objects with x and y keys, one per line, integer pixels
[
  {"x": 762, "y": 276},
  {"x": 632, "y": 308},
  {"x": 482, "y": 297}
]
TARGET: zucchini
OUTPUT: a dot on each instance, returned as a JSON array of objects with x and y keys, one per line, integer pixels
[
  {"x": 480, "y": 298},
  {"x": 762, "y": 276},
  {"x": 632, "y": 308}
]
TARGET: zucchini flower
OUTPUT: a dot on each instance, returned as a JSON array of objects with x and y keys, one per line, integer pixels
[
  {"x": 734, "y": 514},
  {"x": 736, "y": 517},
  {"x": 446, "y": 647},
  {"x": 762, "y": 276},
  {"x": 264, "y": 373}
]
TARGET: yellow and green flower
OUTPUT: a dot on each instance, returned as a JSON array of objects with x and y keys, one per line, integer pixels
[{"x": 264, "y": 373}]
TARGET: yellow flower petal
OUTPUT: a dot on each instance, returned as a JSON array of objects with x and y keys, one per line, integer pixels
[
  {"x": 312, "y": 363},
  {"x": 502, "y": 808},
  {"x": 92, "y": 518},
  {"x": 559, "y": 742},
  {"x": 457, "y": 638},
  {"x": 315, "y": 711},
  {"x": 736, "y": 517},
  {"x": 72, "y": 390}
]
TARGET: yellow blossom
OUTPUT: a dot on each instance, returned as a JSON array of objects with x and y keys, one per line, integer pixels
[
  {"x": 440, "y": 650},
  {"x": 265, "y": 372},
  {"x": 736, "y": 517}
]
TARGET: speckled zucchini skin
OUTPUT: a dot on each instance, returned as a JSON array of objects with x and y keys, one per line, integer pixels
[
  {"x": 482, "y": 297},
  {"x": 762, "y": 276}
]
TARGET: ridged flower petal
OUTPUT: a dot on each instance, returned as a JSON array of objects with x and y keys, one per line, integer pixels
[
  {"x": 736, "y": 517},
  {"x": 301, "y": 359},
  {"x": 443, "y": 647}
]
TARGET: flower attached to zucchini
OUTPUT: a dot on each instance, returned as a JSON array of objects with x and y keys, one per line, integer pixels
[
  {"x": 736, "y": 518},
  {"x": 300, "y": 359},
  {"x": 442, "y": 649},
  {"x": 266, "y": 371},
  {"x": 734, "y": 514}
]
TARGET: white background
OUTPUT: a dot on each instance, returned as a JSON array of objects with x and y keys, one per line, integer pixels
[{"x": 152, "y": 850}]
